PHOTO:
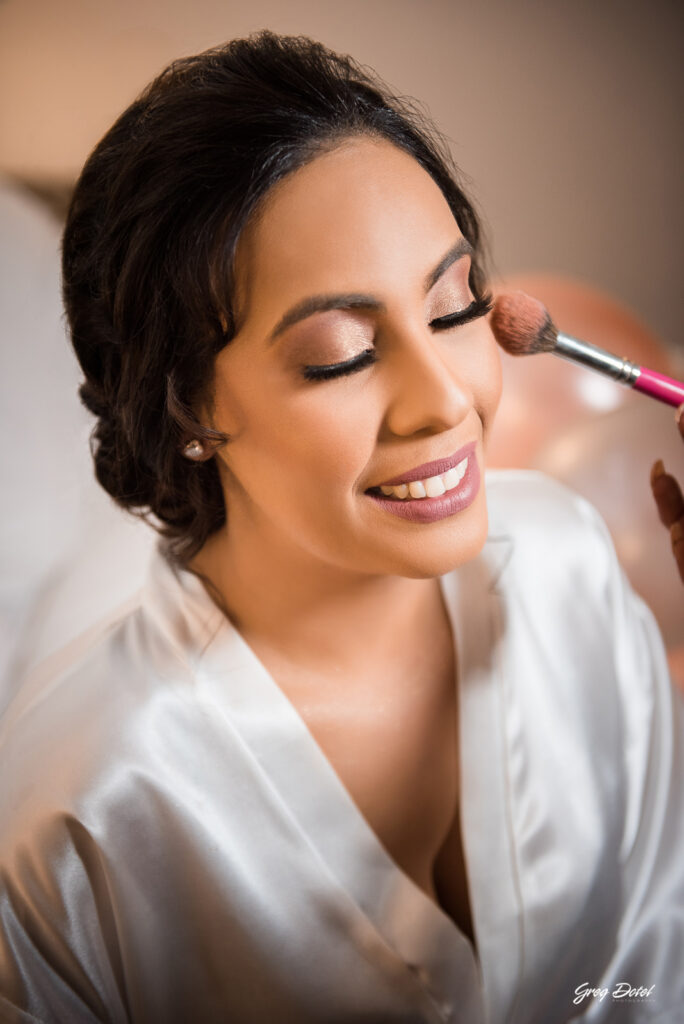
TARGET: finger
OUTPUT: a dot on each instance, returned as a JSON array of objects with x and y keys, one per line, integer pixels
[
  {"x": 677, "y": 538},
  {"x": 667, "y": 494},
  {"x": 679, "y": 416}
]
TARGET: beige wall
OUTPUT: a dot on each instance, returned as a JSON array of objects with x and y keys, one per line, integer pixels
[{"x": 565, "y": 114}]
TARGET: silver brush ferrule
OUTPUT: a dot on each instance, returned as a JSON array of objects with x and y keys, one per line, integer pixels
[{"x": 596, "y": 358}]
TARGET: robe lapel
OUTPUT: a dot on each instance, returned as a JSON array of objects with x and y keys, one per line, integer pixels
[{"x": 477, "y": 612}]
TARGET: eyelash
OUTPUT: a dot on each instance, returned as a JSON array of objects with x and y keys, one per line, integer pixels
[{"x": 477, "y": 308}]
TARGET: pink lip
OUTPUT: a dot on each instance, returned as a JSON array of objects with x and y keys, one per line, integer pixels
[
  {"x": 431, "y": 468},
  {"x": 430, "y": 510}
]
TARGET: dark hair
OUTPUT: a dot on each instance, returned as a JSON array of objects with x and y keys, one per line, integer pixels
[{"x": 150, "y": 240}]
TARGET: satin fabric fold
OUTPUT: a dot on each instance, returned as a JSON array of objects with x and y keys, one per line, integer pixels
[{"x": 174, "y": 844}]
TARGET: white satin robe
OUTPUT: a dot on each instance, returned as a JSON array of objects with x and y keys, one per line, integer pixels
[{"x": 175, "y": 846}]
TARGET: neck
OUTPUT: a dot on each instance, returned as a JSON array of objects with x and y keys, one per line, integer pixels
[{"x": 284, "y": 599}]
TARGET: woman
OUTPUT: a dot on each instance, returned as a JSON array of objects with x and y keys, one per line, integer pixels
[{"x": 378, "y": 742}]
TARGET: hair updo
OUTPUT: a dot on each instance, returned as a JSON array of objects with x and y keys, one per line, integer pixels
[{"x": 150, "y": 240}]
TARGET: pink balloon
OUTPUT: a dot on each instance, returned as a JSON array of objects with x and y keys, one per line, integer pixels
[
  {"x": 608, "y": 459},
  {"x": 675, "y": 656}
]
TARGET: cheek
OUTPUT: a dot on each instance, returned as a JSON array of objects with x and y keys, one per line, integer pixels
[
  {"x": 492, "y": 381},
  {"x": 327, "y": 438},
  {"x": 310, "y": 440},
  {"x": 483, "y": 375}
]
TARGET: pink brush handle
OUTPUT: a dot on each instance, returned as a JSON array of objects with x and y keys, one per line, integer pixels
[{"x": 656, "y": 385}]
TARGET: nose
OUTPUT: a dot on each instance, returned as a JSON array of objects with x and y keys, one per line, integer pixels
[{"x": 427, "y": 394}]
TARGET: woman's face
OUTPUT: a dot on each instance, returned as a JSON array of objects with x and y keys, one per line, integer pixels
[{"x": 357, "y": 253}]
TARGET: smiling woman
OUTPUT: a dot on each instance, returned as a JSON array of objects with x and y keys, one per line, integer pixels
[
  {"x": 363, "y": 215},
  {"x": 385, "y": 737}
]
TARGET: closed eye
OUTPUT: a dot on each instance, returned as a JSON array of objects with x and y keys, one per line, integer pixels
[
  {"x": 340, "y": 369},
  {"x": 477, "y": 308}
]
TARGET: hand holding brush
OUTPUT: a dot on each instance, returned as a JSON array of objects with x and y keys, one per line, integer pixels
[{"x": 670, "y": 502}]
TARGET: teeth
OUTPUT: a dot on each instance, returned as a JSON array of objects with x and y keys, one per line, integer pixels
[{"x": 432, "y": 486}]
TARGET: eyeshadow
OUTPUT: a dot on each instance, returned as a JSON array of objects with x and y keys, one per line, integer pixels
[
  {"x": 453, "y": 292},
  {"x": 330, "y": 337}
]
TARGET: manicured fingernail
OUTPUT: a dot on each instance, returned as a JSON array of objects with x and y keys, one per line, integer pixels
[
  {"x": 657, "y": 470},
  {"x": 677, "y": 531}
]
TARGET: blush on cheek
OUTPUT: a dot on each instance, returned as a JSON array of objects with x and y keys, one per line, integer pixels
[
  {"x": 488, "y": 390},
  {"x": 335, "y": 438}
]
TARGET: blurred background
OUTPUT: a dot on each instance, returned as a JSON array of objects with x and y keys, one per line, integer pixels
[{"x": 566, "y": 122}]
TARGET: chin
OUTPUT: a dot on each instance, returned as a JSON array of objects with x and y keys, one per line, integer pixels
[{"x": 446, "y": 545}]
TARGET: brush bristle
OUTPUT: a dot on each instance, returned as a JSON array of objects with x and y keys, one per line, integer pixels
[{"x": 522, "y": 325}]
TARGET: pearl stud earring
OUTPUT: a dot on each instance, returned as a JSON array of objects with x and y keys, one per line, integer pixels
[{"x": 194, "y": 450}]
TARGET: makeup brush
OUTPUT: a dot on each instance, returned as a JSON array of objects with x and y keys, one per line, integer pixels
[{"x": 523, "y": 327}]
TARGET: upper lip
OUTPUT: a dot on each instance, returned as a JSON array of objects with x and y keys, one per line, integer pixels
[{"x": 428, "y": 469}]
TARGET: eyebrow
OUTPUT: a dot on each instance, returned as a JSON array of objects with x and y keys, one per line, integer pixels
[
  {"x": 456, "y": 252},
  {"x": 356, "y": 300}
]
